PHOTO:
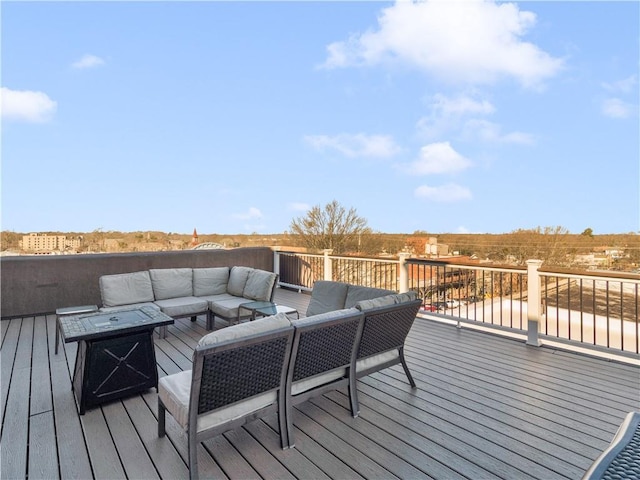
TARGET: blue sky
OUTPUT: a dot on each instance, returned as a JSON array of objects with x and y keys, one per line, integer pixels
[{"x": 236, "y": 117}]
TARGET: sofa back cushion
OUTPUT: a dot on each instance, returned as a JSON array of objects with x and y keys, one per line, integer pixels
[
  {"x": 237, "y": 280},
  {"x": 125, "y": 289},
  {"x": 259, "y": 286},
  {"x": 357, "y": 293},
  {"x": 171, "y": 282},
  {"x": 385, "y": 301},
  {"x": 242, "y": 330},
  {"x": 210, "y": 281},
  {"x": 327, "y": 296}
]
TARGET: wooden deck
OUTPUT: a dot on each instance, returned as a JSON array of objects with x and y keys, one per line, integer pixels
[{"x": 485, "y": 407}]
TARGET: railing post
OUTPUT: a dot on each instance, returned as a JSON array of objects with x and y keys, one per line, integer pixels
[
  {"x": 276, "y": 261},
  {"x": 533, "y": 302},
  {"x": 328, "y": 269},
  {"x": 403, "y": 280}
]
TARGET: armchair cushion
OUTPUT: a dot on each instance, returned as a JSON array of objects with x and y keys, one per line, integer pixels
[
  {"x": 385, "y": 301},
  {"x": 327, "y": 296},
  {"x": 357, "y": 293},
  {"x": 235, "y": 332},
  {"x": 174, "y": 391}
]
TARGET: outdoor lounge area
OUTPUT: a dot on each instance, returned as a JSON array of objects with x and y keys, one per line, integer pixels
[{"x": 485, "y": 407}]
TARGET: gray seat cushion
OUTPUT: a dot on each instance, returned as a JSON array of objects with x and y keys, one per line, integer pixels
[
  {"x": 386, "y": 301},
  {"x": 182, "y": 306},
  {"x": 210, "y": 281},
  {"x": 259, "y": 286},
  {"x": 228, "y": 308},
  {"x": 237, "y": 280},
  {"x": 357, "y": 293},
  {"x": 327, "y": 296},
  {"x": 126, "y": 289},
  {"x": 171, "y": 282}
]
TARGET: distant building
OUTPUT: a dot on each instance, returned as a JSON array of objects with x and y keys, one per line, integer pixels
[
  {"x": 194, "y": 240},
  {"x": 42, "y": 243}
]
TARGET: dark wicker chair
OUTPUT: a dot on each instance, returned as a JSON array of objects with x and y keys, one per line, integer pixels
[
  {"x": 322, "y": 359},
  {"x": 232, "y": 383},
  {"x": 621, "y": 460},
  {"x": 384, "y": 333}
]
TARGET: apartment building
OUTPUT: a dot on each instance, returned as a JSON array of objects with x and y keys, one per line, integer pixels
[{"x": 42, "y": 243}]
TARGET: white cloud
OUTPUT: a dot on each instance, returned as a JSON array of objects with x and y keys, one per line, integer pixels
[
  {"x": 438, "y": 158},
  {"x": 492, "y": 132},
  {"x": 27, "y": 106},
  {"x": 87, "y": 61},
  {"x": 616, "y": 108},
  {"x": 251, "y": 214},
  {"x": 450, "y": 115},
  {"x": 625, "y": 85},
  {"x": 444, "y": 193},
  {"x": 474, "y": 42},
  {"x": 356, "y": 145},
  {"x": 299, "y": 207}
]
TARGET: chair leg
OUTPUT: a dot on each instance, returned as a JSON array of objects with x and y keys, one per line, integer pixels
[
  {"x": 282, "y": 415},
  {"x": 289, "y": 423},
  {"x": 161, "y": 418},
  {"x": 406, "y": 368},
  {"x": 353, "y": 395},
  {"x": 193, "y": 456},
  {"x": 57, "y": 333}
]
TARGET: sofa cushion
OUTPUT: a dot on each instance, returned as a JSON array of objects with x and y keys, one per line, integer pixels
[
  {"x": 228, "y": 308},
  {"x": 259, "y": 286},
  {"x": 171, "y": 282},
  {"x": 327, "y": 296},
  {"x": 210, "y": 281},
  {"x": 323, "y": 317},
  {"x": 183, "y": 306},
  {"x": 126, "y": 289},
  {"x": 174, "y": 391},
  {"x": 237, "y": 280},
  {"x": 246, "y": 329},
  {"x": 357, "y": 293},
  {"x": 386, "y": 301}
]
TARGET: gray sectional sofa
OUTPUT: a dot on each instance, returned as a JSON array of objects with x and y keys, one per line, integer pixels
[
  {"x": 189, "y": 292},
  {"x": 253, "y": 369}
]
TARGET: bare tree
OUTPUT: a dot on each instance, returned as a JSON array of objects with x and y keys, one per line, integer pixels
[{"x": 330, "y": 227}]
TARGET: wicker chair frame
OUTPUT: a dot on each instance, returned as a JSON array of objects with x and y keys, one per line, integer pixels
[
  {"x": 386, "y": 329},
  {"x": 231, "y": 372},
  {"x": 320, "y": 348}
]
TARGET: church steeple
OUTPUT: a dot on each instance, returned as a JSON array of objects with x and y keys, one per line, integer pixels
[{"x": 194, "y": 240}]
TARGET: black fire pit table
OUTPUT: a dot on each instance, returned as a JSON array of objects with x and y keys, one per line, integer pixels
[{"x": 116, "y": 357}]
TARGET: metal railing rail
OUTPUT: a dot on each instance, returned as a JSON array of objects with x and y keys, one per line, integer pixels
[
  {"x": 301, "y": 270},
  {"x": 597, "y": 311},
  {"x": 594, "y": 309}
]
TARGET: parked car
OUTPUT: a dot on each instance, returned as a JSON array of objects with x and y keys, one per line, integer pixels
[
  {"x": 429, "y": 308},
  {"x": 452, "y": 303}
]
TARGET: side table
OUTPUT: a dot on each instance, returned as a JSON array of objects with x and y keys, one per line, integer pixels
[
  {"x": 266, "y": 309},
  {"x": 71, "y": 311}
]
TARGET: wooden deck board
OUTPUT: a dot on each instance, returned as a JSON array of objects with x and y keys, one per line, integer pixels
[{"x": 485, "y": 407}]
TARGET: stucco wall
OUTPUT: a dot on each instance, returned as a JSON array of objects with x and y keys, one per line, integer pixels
[{"x": 34, "y": 285}]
